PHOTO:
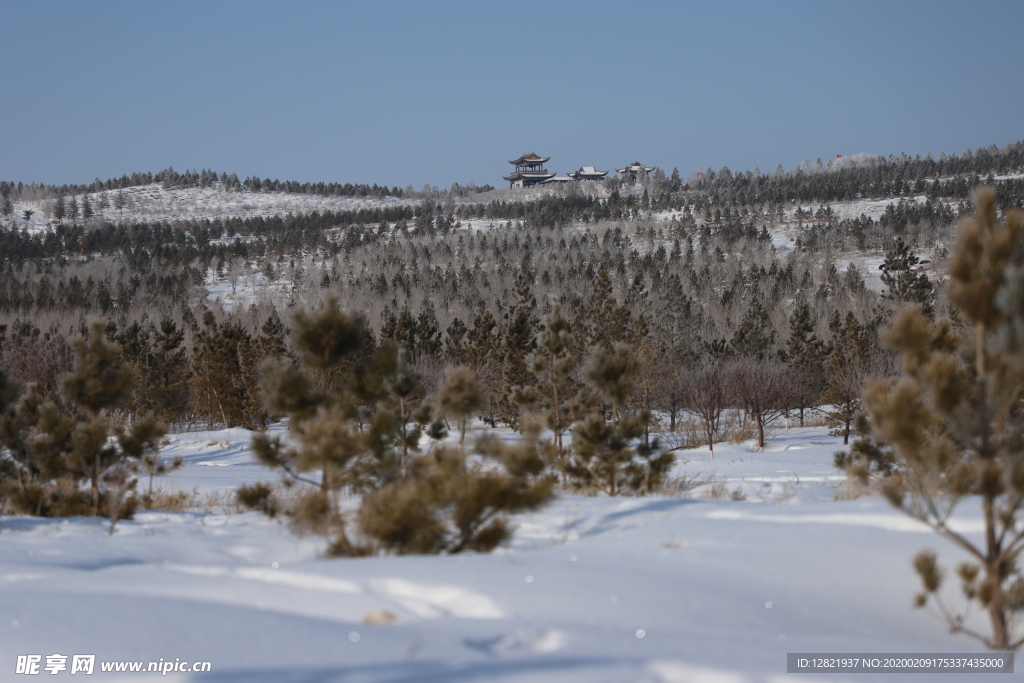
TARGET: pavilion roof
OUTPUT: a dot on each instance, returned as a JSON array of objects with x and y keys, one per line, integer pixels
[
  {"x": 588, "y": 172},
  {"x": 530, "y": 158},
  {"x": 635, "y": 167}
]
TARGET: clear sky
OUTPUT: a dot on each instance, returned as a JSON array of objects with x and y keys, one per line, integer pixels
[{"x": 436, "y": 92}]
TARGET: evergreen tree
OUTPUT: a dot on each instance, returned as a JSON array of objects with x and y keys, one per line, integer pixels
[
  {"x": 553, "y": 363},
  {"x": 90, "y": 443},
  {"x": 903, "y": 284},
  {"x": 754, "y": 337},
  {"x": 272, "y": 340},
  {"x": 354, "y": 432},
  {"x": 59, "y": 210},
  {"x": 600, "y": 321},
  {"x": 221, "y": 371},
  {"x": 805, "y": 354},
  {"x": 166, "y": 379},
  {"x": 326, "y": 436},
  {"x": 455, "y": 341},
  {"x": 6, "y": 206},
  {"x": 428, "y": 335},
  {"x": 851, "y": 362},
  {"x": 517, "y": 339},
  {"x": 448, "y": 506},
  {"x": 954, "y": 422},
  {"x": 460, "y": 397},
  {"x": 252, "y": 354},
  {"x": 136, "y": 349},
  {"x": 605, "y": 454},
  {"x": 480, "y": 340}
]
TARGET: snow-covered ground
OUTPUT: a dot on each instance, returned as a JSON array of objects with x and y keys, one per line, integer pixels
[
  {"x": 152, "y": 203},
  {"x": 758, "y": 556}
]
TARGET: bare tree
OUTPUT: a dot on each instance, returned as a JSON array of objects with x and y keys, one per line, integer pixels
[
  {"x": 705, "y": 392},
  {"x": 764, "y": 388}
]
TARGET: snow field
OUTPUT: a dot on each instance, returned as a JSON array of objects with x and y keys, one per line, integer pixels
[{"x": 699, "y": 587}]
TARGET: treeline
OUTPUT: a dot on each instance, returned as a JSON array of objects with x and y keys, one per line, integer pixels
[
  {"x": 874, "y": 177},
  {"x": 171, "y": 179}
]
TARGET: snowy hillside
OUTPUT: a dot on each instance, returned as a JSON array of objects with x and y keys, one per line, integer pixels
[
  {"x": 153, "y": 203},
  {"x": 755, "y": 558}
]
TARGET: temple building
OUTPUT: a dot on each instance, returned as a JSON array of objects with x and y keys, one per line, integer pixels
[
  {"x": 631, "y": 172},
  {"x": 587, "y": 173},
  {"x": 529, "y": 171}
]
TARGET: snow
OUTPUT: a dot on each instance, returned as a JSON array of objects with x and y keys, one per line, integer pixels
[
  {"x": 699, "y": 587},
  {"x": 152, "y": 203}
]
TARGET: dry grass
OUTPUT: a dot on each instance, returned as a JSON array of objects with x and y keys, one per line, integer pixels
[
  {"x": 741, "y": 432},
  {"x": 852, "y": 488},
  {"x": 685, "y": 483},
  {"x": 719, "y": 491},
  {"x": 180, "y": 500}
]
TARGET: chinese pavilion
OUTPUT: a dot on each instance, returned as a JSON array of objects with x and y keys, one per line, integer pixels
[
  {"x": 529, "y": 171},
  {"x": 632, "y": 171},
  {"x": 587, "y": 173}
]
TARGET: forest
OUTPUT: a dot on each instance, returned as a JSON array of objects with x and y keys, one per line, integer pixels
[{"x": 684, "y": 273}]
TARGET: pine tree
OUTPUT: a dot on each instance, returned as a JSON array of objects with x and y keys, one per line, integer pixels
[
  {"x": 754, "y": 337},
  {"x": 167, "y": 374},
  {"x": 553, "y": 363},
  {"x": 805, "y": 354},
  {"x": 6, "y": 206},
  {"x": 517, "y": 339},
  {"x": 59, "y": 210},
  {"x": 954, "y": 422},
  {"x": 428, "y": 335},
  {"x": 221, "y": 380},
  {"x": 406, "y": 334},
  {"x": 326, "y": 436},
  {"x": 460, "y": 397},
  {"x": 72, "y": 208},
  {"x": 480, "y": 340},
  {"x": 87, "y": 211},
  {"x": 600, "y": 321},
  {"x": 455, "y": 341},
  {"x": 89, "y": 443},
  {"x": 271, "y": 341},
  {"x": 851, "y": 362},
  {"x": 136, "y": 348},
  {"x": 252, "y": 354},
  {"x": 603, "y": 452},
  {"x": 449, "y": 506},
  {"x": 904, "y": 285}
]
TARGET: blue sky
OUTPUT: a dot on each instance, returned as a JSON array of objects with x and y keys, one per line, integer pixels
[{"x": 432, "y": 92}]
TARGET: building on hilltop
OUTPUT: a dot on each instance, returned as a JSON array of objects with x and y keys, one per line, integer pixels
[
  {"x": 529, "y": 171},
  {"x": 587, "y": 173},
  {"x": 632, "y": 172}
]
